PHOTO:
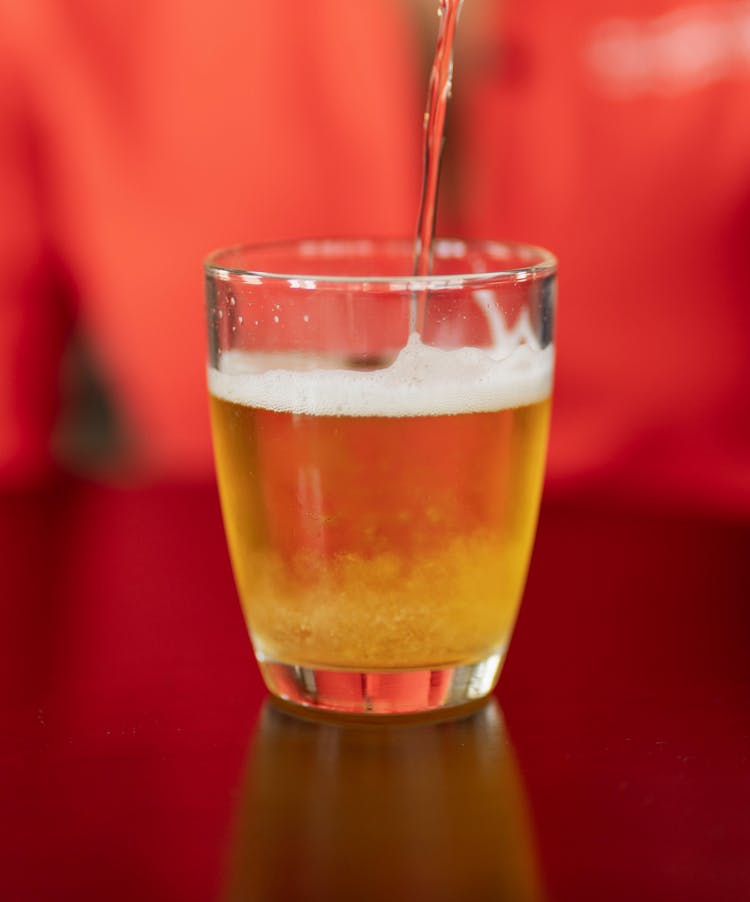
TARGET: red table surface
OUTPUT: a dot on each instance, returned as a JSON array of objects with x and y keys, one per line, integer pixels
[{"x": 141, "y": 759}]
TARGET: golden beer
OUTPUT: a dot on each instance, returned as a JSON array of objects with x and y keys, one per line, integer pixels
[{"x": 381, "y": 520}]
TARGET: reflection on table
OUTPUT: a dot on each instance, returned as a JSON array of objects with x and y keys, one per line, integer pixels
[{"x": 387, "y": 811}]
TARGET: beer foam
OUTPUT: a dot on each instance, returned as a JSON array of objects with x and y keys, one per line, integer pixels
[{"x": 421, "y": 381}]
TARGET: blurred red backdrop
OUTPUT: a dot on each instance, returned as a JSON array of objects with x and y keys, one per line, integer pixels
[{"x": 136, "y": 137}]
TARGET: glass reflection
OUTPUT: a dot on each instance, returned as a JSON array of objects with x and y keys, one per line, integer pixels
[{"x": 392, "y": 811}]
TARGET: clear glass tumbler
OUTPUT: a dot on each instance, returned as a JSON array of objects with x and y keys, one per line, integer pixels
[{"x": 380, "y": 443}]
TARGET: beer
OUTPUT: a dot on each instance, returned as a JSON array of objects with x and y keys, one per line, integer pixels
[{"x": 381, "y": 519}]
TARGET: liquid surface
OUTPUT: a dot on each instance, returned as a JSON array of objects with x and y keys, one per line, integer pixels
[{"x": 421, "y": 381}]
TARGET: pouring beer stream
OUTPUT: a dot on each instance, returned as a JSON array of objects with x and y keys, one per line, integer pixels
[{"x": 438, "y": 93}]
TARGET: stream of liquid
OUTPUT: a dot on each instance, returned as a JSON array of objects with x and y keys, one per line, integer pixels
[{"x": 438, "y": 92}]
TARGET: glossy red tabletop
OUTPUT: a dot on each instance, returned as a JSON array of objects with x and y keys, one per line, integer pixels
[{"x": 141, "y": 758}]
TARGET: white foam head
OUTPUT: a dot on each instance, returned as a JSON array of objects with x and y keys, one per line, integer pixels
[{"x": 421, "y": 381}]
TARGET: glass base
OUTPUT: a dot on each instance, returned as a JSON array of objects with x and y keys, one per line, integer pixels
[{"x": 382, "y": 691}]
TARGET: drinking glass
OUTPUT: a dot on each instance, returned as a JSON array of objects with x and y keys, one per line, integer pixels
[{"x": 380, "y": 442}]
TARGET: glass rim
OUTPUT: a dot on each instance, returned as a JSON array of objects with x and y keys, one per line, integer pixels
[{"x": 545, "y": 265}]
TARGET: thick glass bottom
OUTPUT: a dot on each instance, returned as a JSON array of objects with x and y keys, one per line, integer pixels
[{"x": 382, "y": 691}]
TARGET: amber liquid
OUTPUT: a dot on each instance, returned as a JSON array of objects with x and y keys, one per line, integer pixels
[{"x": 379, "y": 542}]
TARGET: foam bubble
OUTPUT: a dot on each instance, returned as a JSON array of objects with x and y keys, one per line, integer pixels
[{"x": 420, "y": 381}]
